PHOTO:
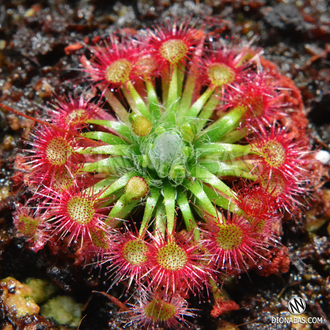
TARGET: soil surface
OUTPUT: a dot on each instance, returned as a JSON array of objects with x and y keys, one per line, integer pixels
[{"x": 40, "y": 45}]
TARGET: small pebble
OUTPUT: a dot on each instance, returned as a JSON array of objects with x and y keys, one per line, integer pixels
[
  {"x": 14, "y": 122},
  {"x": 323, "y": 156},
  {"x": 8, "y": 142},
  {"x": 2, "y": 44},
  {"x": 4, "y": 192}
]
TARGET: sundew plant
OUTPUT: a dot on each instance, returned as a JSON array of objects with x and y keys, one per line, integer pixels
[{"x": 181, "y": 183}]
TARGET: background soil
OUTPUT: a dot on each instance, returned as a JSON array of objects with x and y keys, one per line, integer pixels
[{"x": 38, "y": 58}]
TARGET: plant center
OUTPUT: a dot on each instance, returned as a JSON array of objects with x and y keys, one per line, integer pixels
[
  {"x": 220, "y": 74},
  {"x": 173, "y": 50},
  {"x": 229, "y": 237},
  {"x": 28, "y": 225},
  {"x": 77, "y": 116},
  {"x": 118, "y": 71},
  {"x": 159, "y": 310},
  {"x": 58, "y": 151},
  {"x": 274, "y": 153},
  {"x": 259, "y": 226},
  {"x": 167, "y": 151},
  {"x": 276, "y": 185},
  {"x": 63, "y": 180},
  {"x": 254, "y": 204},
  {"x": 172, "y": 257},
  {"x": 99, "y": 238},
  {"x": 258, "y": 106},
  {"x": 81, "y": 210},
  {"x": 135, "y": 252}
]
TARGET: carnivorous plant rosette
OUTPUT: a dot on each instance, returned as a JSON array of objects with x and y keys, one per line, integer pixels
[{"x": 193, "y": 141}]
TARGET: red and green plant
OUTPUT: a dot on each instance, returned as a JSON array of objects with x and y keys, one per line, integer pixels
[{"x": 195, "y": 138}]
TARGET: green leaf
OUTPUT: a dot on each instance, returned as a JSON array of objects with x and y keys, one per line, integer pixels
[
  {"x": 116, "y": 185},
  {"x": 116, "y": 150},
  {"x": 218, "y": 199},
  {"x": 120, "y": 211},
  {"x": 140, "y": 105},
  {"x": 221, "y": 169},
  {"x": 180, "y": 76},
  {"x": 187, "y": 95},
  {"x": 108, "y": 165},
  {"x": 104, "y": 137},
  {"x": 172, "y": 97},
  {"x": 223, "y": 126},
  {"x": 207, "y": 111},
  {"x": 188, "y": 217},
  {"x": 154, "y": 106},
  {"x": 117, "y": 107},
  {"x": 149, "y": 209},
  {"x": 169, "y": 201},
  {"x": 234, "y": 136},
  {"x": 165, "y": 74},
  {"x": 200, "y": 102},
  {"x": 189, "y": 88},
  {"x": 198, "y": 191},
  {"x": 101, "y": 185},
  {"x": 113, "y": 198},
  {"x": 115, "y": 125},
  {"x": 225, "y": 151},
  {"x": 206, "y": 176},
  {"x": 160, "y": 220}
]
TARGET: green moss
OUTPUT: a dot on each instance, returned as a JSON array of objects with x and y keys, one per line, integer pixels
[
  {"x": 62, "y": 309},
  {"x": 42, "y": 289}
]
